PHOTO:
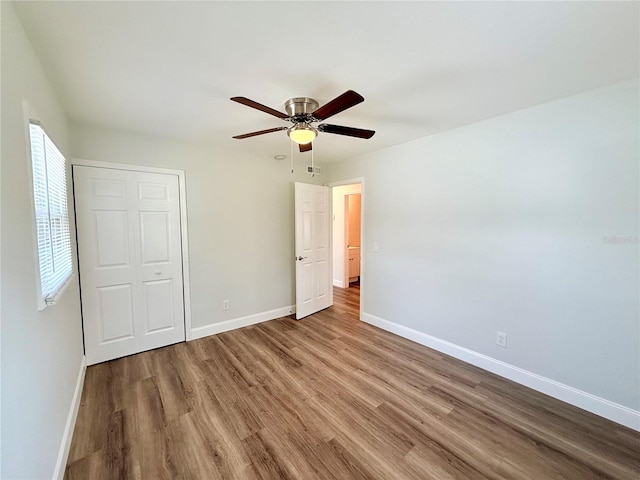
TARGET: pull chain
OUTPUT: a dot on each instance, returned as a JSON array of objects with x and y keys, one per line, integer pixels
[{"x": 291, "y": 156}]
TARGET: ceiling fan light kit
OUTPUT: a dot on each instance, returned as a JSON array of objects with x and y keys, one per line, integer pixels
[
  {"x": 303, "y": 112},
  {"x": 302, "y": 133}
]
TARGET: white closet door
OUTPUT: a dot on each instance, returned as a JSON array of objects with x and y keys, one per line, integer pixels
[{"x": 130, "y": 261}]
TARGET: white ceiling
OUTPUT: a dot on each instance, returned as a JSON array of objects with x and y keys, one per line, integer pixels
[{"x": 168, "y": 68}]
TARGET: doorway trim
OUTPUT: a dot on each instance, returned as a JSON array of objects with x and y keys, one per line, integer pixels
[
  {"x": 184, "y": 236},
  {"x": 363, "y": 269}
]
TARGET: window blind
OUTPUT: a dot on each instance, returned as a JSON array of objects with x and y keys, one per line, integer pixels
[{"x": 51, "y": 214}]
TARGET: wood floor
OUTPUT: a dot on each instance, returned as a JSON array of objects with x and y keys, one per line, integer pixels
[{"x": 329, "y": 397}]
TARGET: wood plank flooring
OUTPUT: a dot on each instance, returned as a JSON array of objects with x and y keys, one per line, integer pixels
[{"x": 329, "y": 397}]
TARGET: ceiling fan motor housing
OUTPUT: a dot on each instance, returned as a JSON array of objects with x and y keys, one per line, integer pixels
[{"x": 301, "y": 108}]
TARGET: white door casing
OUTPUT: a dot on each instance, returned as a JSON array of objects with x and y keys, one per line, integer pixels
[
  {"x": 130, "y": 260},
  {"x": 313, "y": 249}
]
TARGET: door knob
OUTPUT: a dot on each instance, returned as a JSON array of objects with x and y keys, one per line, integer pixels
[
  {"x": 301, "y": 258},
  {"x": 157, "y": 272}
]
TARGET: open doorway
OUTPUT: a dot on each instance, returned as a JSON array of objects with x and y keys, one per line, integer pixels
[{"x": 347, "y": 241}]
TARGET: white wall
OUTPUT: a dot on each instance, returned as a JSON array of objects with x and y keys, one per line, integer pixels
[
  {"x": 240, "y": 215},
  {"x": 41, "y": 351},
  {"x": 499, "y": 226},
  {"x": 339, "y": 234}
]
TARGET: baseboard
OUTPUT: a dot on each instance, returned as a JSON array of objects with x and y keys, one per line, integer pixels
[
  {"x": 206, "y": 330},
  {"x": 65, "y": 444},
  {"x": 338, "y": 283},
  {"x": 586, "y": 401}
]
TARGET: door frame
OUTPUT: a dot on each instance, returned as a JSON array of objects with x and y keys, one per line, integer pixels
[
  {"x": 184, "y": 236},
  {"x": 363, "y": 272}
]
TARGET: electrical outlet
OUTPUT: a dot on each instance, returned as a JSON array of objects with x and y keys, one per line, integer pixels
[
  {"x": 225, "y": 304},
  {"x": 501, "y": 339}
]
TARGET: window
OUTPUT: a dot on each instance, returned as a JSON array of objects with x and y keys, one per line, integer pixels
[{"x": 51, "y": 215}]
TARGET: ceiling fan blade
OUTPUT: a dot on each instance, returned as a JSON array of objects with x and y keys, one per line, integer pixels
[
  {"x": 259, "y": 106},
  {"x": 305, "y": 147},
  {"x": 260, "y": 132},
  {"x": 348, "y": 131},
  {"x": 347, "y": 100}
]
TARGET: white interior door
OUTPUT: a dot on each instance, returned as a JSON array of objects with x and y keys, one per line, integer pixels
[
  {"x": 130, "y": 261},
  {"x": 313, "y": 249}
]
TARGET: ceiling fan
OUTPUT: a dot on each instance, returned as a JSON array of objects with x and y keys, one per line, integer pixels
[{"x": 303, "y": 112}]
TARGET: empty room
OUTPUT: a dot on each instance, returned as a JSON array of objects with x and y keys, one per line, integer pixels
[{"x": 320, "y": 239}]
